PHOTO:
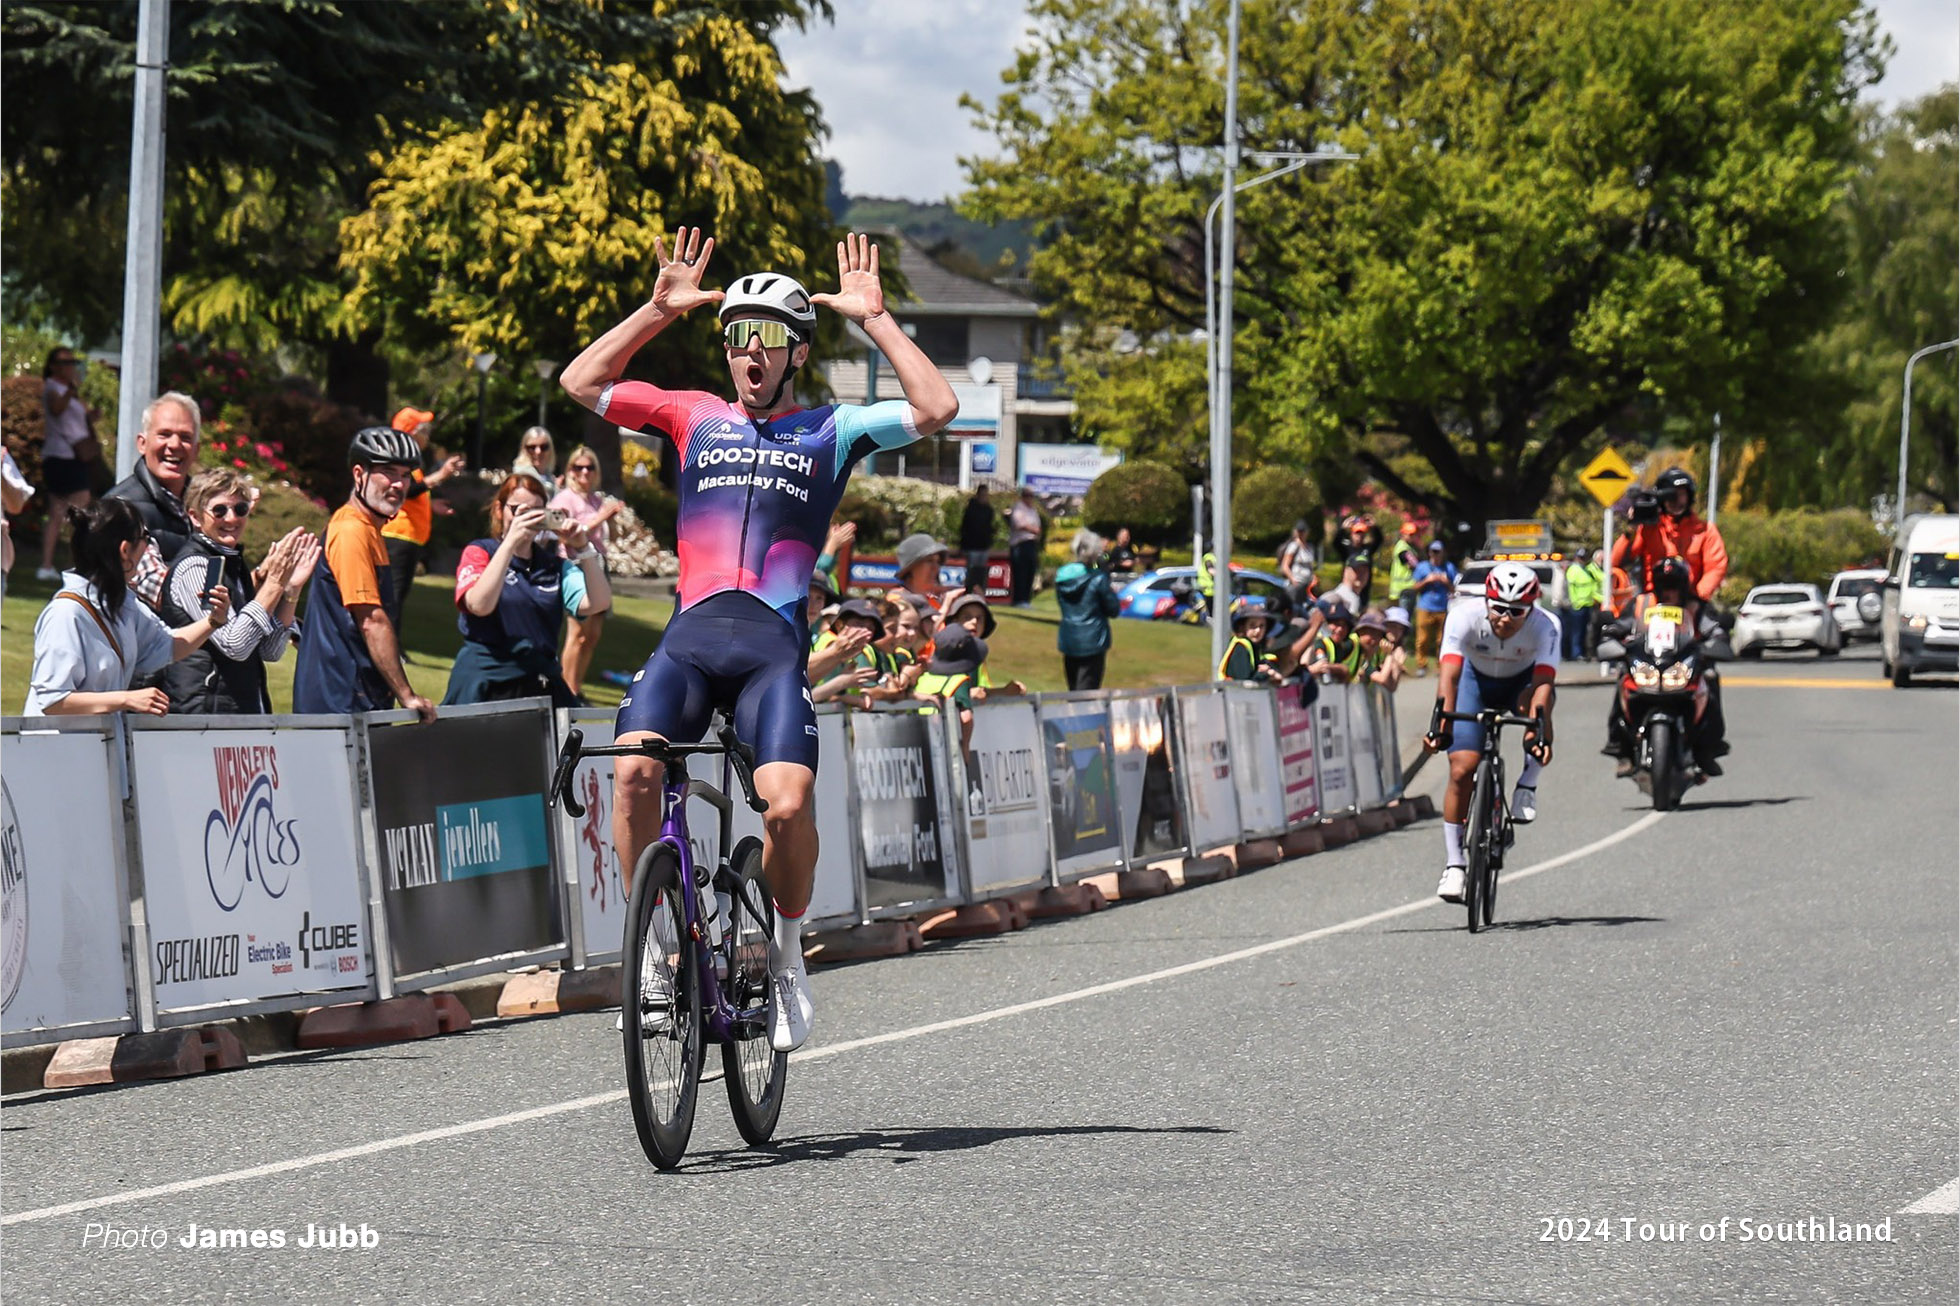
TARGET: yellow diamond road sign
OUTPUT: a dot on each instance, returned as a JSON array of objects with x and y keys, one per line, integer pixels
[{"x": 1607, "y": 476}]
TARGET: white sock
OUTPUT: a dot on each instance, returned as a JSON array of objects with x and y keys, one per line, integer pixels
[
  {"x": 1528, "y": 778},
  {"x": 787, "y": 942},
  {"x": 1453, "y": 844}
]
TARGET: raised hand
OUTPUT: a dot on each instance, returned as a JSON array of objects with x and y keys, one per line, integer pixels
[
  {"x": 859, "y": 294},
  {"x": 217, "y": 605},
  {"x": 678, "y": 288},
  {"x": 573, "y": 537},
  {"x": 306, "y": 556},
  {"x": 524, "y": 526}
]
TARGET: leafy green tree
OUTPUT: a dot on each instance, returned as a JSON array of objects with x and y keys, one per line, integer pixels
[{"x": 1567, "y": 214}]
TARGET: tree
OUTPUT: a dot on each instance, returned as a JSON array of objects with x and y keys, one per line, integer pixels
[
  {"x": 1567, "y": 214},
  {"x": 1838, "y": 444}
]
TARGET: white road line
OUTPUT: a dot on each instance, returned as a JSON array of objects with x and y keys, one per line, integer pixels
[
  {"x": 1944, "y": 1200},
  {"x": 819, "y": 1054}
]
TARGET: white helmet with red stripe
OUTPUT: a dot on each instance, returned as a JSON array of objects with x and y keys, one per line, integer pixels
[{"x": 1511, "y": 582}]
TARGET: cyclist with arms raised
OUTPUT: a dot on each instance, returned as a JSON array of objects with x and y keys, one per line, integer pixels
[
  {"x": 760, "y": 478},
  {"x": 1501, "y": 653}
]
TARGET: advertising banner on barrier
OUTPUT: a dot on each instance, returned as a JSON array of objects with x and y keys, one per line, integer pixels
[
  {"x": 466, "y": 870},
  {"x": 251, "y": 879},
  {"x": 1332, "y": 762},
  {"x": 1253, "y": 730},
  {"x": 1296, "y": 758},
  {"x": 1361, "y": 735},
  {"x": 1208, "y": 778},
  {"x": 1388, "y": 748},
  {"x": 1007, "y": 802},
  {"x": 1146, "y": 781},
  {"x": 1075, "y": 740},
  {"x": 897, "y": 764},
  {"x": 63, "y": 950}
]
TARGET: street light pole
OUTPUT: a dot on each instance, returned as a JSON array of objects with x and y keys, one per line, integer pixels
[
  {"x": 544, "y": 367},
  {"x": 1221, "y": 426},
  {"x": 143, "y": 267},
  {"x": 1715, "y": 470},
  {"x": 482, "y": 363},
  {"x": 1905, "y": 426}
]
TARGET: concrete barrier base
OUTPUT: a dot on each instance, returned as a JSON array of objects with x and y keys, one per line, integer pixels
[
  {"x": 546, "y": 991},
  {"x": 1339, "y": 831},
  {"x": 1067, "y": 900},
  {"x": 1375, "y": 822},
  {"x": 1127, "y": 886},
  {"x": 975, "y": 920},
  {"x": 1254, "y": 853},
  {"x": 863, "y": 942},
  {"x": 165, "y": 1054},
  {"x": 1208, "y": 869},
  {"x": 394, "y": 1020},
  {"x": 1303, "y": 842},
  {"x": 1425, "y": 807}
]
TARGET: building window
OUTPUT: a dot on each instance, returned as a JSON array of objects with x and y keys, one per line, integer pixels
[{"x": 943, "y": 340}]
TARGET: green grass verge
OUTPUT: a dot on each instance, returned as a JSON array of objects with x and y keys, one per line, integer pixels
[{"x": 1023, "y": 647}]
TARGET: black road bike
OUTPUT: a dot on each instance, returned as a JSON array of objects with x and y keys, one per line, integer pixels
[{"x": 1488, "y": 833}]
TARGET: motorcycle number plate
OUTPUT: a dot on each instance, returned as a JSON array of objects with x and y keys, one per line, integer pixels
[{"x": 1666, "y": 612}]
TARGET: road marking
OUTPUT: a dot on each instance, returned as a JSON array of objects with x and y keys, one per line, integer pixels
[
  {"x": 818, "y": 1054},
  {"x": 1802, "y": 682},
  {"x": 1944, "y": 1200}
]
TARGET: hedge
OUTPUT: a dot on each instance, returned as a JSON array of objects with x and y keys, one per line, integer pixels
[
  {"x": 1266, "y": 503},
  {"x": 1149, "y": 498}
]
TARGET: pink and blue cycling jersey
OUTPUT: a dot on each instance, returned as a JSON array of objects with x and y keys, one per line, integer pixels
[{"x": 755, "y": 497}]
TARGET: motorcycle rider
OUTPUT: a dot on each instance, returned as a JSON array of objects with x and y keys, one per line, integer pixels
[
  {"x": 1678, "y": 533},
  {"x": 1501, "y": 653},
  {"x": 1673, "y": 585}
]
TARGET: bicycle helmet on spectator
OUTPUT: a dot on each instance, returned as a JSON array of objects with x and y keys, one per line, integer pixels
[
  {"x": 1511, "y": 582},
  {"x": 1672, "y": 573},
  {"x": 771, "y": 294},
  {"x": 383, "y": 444}
]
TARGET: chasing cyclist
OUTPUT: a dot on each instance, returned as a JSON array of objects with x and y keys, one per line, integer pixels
[
  {"x": 760, "y": 478},
  {"x": 1501, "y": 653}
]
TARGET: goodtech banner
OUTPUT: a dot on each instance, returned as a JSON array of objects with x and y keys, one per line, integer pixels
[
  {"x": 1007, "y": 802},
  {"x": 1146, "y": 785},
  {"x": 1332, "y": 762},
  {"x": 62, "y": 949},
  {"x": 1296, "y": 756},
  {"x": 1208, "y": 774},
  {"x": 1363, "y": 759},
  {"x": 250, "y": 875},
  {"x": 1254, "y": 734},
  {"x": 900, "y": 835},
  {"x": 1087, "y": 834},
  {"x": 460, "y": 821}
]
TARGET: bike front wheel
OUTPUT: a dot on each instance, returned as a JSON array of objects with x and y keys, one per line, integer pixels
[
  {"x": 1476, "y": 846},
  {"x": 661, "y": 1003},
  {"x": 1497, "y": 835},
  {"x": 754, "y": 1072}
]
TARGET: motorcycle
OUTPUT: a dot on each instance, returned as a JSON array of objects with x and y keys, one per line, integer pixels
[{"x": 1663, "y": 694}]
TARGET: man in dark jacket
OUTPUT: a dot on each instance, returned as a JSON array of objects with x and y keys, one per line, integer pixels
[
  {"x": 977, "y": 538},
  {"x": 1087, "y": 602},
  {"x": 166, "y": 449}
]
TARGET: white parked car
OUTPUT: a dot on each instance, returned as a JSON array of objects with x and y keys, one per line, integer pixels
[
  {"x": 1785, "y": 616},
  {"x": 1857, "y": 600}
]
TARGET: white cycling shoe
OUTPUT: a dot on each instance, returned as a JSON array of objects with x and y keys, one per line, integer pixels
[
  {"x": 1450, "y": 887},
  {"x": 790, "y": 1010},
  {"x": 1524, "y": 805}
]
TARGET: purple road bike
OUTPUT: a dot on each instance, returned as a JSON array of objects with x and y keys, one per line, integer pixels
[{"x": 696, "y": 954}]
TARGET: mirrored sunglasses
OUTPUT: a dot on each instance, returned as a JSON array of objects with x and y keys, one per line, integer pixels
[
  {"x": 1507, "y": 610},
  {"x": 774, "y": 335},
  {"x": 583, "y": 467},
  {"x": 224, "y": 510}
]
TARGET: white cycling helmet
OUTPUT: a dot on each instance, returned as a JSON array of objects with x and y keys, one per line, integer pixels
[
  {"x": 1511, "y": 582},
  {"x": 771, "y": 294}
]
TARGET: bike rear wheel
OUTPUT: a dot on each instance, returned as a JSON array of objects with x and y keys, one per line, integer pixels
[
  {"x": 754, "y": 1072},
  {"x": 1476, "y": 846},
  {"x": 661, "y": 1004}
]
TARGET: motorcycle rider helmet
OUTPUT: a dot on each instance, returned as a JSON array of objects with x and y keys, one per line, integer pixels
[
  {"x": 1511, "y": 582},
  {"x": 773, "y": 295},
  {"x": 383, "y": 444},
  {"x": 1675, "y": 478},
  {"x": 1673, "y": 573}
]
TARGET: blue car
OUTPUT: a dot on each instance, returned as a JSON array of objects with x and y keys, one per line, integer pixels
[{"x": 1166, "y": 593}]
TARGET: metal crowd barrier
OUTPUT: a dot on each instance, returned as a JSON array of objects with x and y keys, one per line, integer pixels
[{"x": 272, "y": 863}]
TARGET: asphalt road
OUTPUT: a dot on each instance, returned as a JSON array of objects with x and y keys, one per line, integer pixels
[{"x": 1741, "y": 1011}]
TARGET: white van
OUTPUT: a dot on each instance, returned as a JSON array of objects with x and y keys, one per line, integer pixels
[{"x": 1920, "y": 628}]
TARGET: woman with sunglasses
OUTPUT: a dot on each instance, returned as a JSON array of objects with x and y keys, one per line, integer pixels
[
  {"x": 1499, "y": 653},
  {"x": 582, "y": 502},
  {"x": 537, "y": 457},
  {"x": 227, "y": 676}
]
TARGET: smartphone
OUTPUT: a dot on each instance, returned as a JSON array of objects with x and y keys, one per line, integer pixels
[
  {"x": 214, "y": 576},
  {"x": 556, "y": 519}
]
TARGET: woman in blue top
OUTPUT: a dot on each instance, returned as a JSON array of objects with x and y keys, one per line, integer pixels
[{"x": 512, "y": 595}]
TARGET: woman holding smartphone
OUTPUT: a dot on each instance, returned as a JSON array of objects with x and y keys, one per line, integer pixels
[
  {"x": 513, "y": 593},
  {"x": 226, "y": 677}
]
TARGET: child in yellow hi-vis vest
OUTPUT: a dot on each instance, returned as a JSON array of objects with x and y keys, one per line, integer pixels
[{"x": 951, "y": 675}]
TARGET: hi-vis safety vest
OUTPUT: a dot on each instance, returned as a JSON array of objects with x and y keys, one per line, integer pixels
[
  {"x": 941, "y": 686},
  {"x": 1238, "y": 642}
]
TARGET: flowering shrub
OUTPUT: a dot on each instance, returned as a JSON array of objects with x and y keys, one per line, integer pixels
[{"x": 216, "y": 378}]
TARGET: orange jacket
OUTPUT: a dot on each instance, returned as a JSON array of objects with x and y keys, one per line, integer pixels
[{"x": 1686, "y": 536}]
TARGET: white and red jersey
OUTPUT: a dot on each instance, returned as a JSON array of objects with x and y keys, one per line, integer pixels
[{"x": 1467, "y": 637}]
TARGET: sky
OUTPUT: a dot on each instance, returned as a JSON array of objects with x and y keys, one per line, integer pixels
[{"x": 889, "y": 75}]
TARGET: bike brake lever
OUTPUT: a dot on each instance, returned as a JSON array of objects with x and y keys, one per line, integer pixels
[
  {"x": 561, "y": 782},
  {"x": 744, "y": 763}
]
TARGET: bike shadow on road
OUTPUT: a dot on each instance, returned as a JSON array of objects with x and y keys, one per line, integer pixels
[
  {"x": 904, "y": 1145},
  {"x": 1723, "y": 804},
  {"x": 1542, "y": 923}
]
